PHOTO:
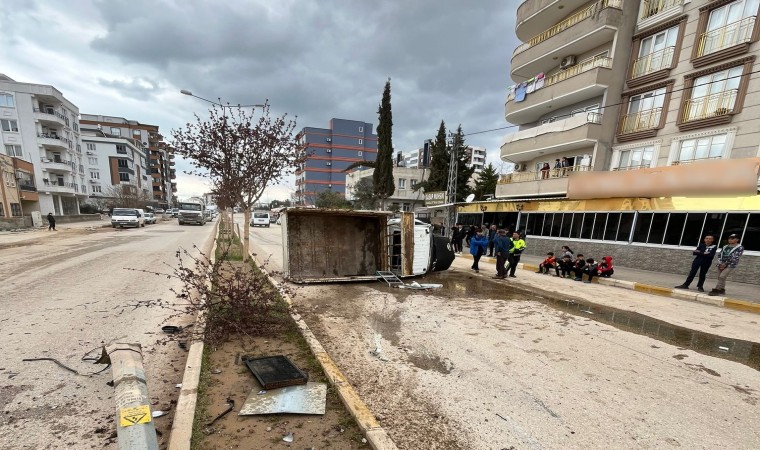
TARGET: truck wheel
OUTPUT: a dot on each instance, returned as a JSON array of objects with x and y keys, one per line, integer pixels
[
  {"x": 143, "y": 225},
  {"x": 113, "y": 226}
]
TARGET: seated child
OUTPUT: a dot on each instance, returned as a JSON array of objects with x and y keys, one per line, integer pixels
[
  {"x": 590, "y": 269},
  {"x": 605, "y": 267},
  {"x": 548, "y": 263},
  {"x": 565, "y": 265}
]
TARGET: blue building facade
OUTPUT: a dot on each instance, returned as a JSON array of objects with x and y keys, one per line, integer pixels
[{"x": 330, "y": 151}]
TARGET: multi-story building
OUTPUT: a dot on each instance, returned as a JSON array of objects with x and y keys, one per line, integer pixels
[
  {"x": 116, "y": 165},
  {"x": 654, "y": 105},
  {"x": 404, "y": 197},
  {"x": 160, "y": 155},
  {"x": 477, "y": 158},
  {"x": 39, "y": 129},
  {"x": 330, "y": 151},
  {"x": 421, "y": 157},
  {"x": 413, "y": 159}
]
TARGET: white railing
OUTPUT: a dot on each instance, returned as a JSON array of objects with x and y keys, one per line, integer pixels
[{"x": 539, "y": 175}]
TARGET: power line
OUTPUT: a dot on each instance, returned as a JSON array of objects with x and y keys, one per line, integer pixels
[{"x": 612, "y": 104}]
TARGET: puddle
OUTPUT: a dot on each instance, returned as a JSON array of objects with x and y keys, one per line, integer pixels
[{"x": 458, "y": 285}]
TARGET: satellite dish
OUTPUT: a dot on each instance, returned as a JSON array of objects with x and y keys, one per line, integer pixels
[{"x": 470, "y": 198}]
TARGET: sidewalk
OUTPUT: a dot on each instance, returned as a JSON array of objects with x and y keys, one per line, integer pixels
[
  {"x": 28, "y": 234},
  {"x": 740, "y": 295}
]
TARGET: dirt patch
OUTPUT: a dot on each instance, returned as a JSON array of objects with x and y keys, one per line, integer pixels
[{"x": 335, "y": 429}]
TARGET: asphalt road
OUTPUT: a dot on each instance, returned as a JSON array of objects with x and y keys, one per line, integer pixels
[
  {"x": 538, "y": 362},
  {"x": 65, "y": 295}
]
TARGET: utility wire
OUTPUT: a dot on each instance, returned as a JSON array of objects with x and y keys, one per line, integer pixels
[{"x": 613, "y": 104}]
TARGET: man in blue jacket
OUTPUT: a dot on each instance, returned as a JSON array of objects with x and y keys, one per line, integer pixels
[
  {"x": 478, "y": 245},
  {"x": 501, "y": 245},
  {"x": 703, "y": 258}
]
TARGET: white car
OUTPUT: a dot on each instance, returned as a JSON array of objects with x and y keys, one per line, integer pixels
[
  {"x": 127, "y": 217},
  {"x": 150, "y": 218},
  {"x": 260, "y": 219}
]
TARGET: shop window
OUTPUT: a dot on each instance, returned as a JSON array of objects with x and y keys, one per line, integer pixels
[
  {"x": 575, "y": 229},
  {"x": 735, "y": 224},
  {"x": 610, "y": 230},
  {"x": 556, "y": 224},
  {"x": 567, "y": 219},
  {"x": 539, "y": 224},
  {"x": 624, "y": 230},
  {"x": 692, "y": 230},
  {"x": 588, "y": 225},
  {"x": 714, "y": 224},
  {"x": 643, "y": 222},
  {"x": 751, "y": 237},
  {"x": 657, "y": 230},
  {"x": 599, "y": 224},
  {"x": 675, "y": 229}
]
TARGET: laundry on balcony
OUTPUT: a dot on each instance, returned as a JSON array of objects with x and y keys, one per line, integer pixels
[{"x": 518, "y": 92}]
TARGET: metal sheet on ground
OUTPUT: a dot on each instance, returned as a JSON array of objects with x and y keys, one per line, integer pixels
[
  {"x": 309, "y": 398},
  {"x": 274, "y": 372}
]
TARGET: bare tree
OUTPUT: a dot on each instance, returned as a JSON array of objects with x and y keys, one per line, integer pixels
[
  {"x": 124, "y": 196},
  {"x": 242, "y": 155}
]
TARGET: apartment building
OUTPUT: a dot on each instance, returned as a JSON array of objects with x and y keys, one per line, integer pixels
[
  {"x": 404, "y": 197},
  {"x": 160, "y": 169},
  {"x": 39, "y": 129},
  {"x": 420, "y": 157},
  {"x": 116, "y": 165},
  {"x": 476, "y": 158},
  {"x": 330, "y": 151},
  {"x": 654, "y": 105}
]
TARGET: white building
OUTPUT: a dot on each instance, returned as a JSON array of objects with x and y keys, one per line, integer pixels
[
  {"x": 404, "y": 198},
  {"x": 477, "y": 157},
  {"x": 40, "y": 126},
  {"x": 115, "y": 161}
]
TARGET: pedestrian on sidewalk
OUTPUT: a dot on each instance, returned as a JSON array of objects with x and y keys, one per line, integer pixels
[
  {"x": 728, "y": 259},
  {"x": 703, "y": 259},
  {"x": 502, "y": 245},
  {"x": 51, "y": 222},
  {"x": 548, "y": 263},
  {"x": 470, "y": 233},
  {"x": 478, "y": 245},
  {"x": 589, "y": 269},
  {"x": 518, "y": 246},
  {"x": 456, "y": 238},
  {"x": 491, "y": 235},
  {"x": 565, "y": 265}
]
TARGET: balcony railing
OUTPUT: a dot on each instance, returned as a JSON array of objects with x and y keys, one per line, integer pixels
[
  {"x": 51, "y": 112},
  {"x": 53, "y": 136},
  {"x": 640, "y": 121},
  {"x": 27, "y": 187},
  {"x": 661, "y": 59},
  {"x": 732, "y": 34},
  {"x": 568, "y": 22},
  {"x": 519, "y": 177},
  {"x": 683, "y": 162},
  {"x": 583, "y": 66},
  {"x": 650, "y": 8},
  {"x": 60, "y": 183},
  {"x": 634, "y": 167},
  {"x": 714, "y": 105}
]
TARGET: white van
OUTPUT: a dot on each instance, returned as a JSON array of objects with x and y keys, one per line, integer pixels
[
  {"x": 260, "y": 219},
  {"x": 127, "y": 217}
]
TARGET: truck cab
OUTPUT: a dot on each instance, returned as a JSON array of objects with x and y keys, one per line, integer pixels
[{"x": 191, "y": 212}]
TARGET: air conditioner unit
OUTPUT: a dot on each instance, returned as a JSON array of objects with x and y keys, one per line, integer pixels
[
  {"x": 19, "y": 174},
  {"x": 328, "y": 139},
  {"x": 519, "y": 167},
  {"x": 567, "y": 61},
  {"x": 90, "y": 153}
]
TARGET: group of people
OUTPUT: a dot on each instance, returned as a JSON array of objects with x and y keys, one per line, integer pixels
[
  {"x": 491, "y": 241},
  {"x": 704, "y": 255},
  {"x": 574, "y": 266}
]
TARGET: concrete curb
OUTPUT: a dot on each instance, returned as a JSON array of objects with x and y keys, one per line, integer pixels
[
  {"x": 376, "y": 436},
  {"x": 681, "y": 294},
  {"x": 184, "y": 414}
]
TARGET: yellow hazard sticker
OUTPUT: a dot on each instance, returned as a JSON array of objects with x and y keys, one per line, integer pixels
[{"x": 133, "y": 416}]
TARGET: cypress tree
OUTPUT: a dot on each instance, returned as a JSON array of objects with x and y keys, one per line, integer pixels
[
  {"x": 464, "y": 172},
  {"x": 439, "y": 163},
  {"x": 486, "y": 184},
  {"x": 382, "y": 178}
]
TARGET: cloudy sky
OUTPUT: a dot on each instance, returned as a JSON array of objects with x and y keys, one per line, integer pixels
[{"x": 447, "y": 60}]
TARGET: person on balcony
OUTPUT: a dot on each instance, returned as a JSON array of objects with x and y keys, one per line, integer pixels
[
  {"x": 557, "y": 168},
  {"x": 565, "y": 166},
  {"x": 545, "y": 171}
]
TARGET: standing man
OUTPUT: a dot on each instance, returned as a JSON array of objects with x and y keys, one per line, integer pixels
[
  {"x": 478, "y": 245},
  {"x": 502, "y": 246},
  {"x": 51, "y": 221},
  {"x": 518, "y": 245},
  {"x": 703, "y": 258},
  {"x": 491, "y": 236},
  {"x": 728, "y": 259}
]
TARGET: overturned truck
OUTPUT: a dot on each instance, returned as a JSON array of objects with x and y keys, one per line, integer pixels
[{"x": 325, "y": 245}]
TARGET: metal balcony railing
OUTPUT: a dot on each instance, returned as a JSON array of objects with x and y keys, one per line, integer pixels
[
  {"x": 732, "y": 34},
  {"x": 640, "y": 121},
  {"x": 717, "y": 104},
  {"x": 661, "y": 59},
  {"x": 27, "y": 187},
  {"x": 583, "y": 66},
  {"x": 568, "y": 22},
  {"x": 650, "y": 8},
  {"x": 51, "y": 112},
  {"x": 634, "y": 167},
  {"x": 538, "y": 175},
  {"x": 682, "y": 162},
  {"x": 53, "y": 136},
  {"x": 59, "y": 183}
]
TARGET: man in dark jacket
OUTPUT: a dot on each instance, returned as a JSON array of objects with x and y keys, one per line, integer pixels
[
  {"x": 51, "y": 222},
  {"x": 501, "y": 245},
  {"x": 703, "y": 258},
  {"x": 491, "y": 236}
]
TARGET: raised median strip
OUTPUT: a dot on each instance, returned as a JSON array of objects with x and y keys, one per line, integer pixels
[{"x": 742, "y": 305}]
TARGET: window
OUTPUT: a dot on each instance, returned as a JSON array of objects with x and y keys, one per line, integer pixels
[
  {"x": 121, "y": 148},
  {"x": 751, "y": 237},
  {"x": 676, "y": 223},
  {"x": 95, "y": 175},
  {"x": 643, "y": 111},
  {"x": 641, "y": 231},
  {"x": 361, "y": 141},
  {"x": 655, "y": 52},
  {"x": 116, "y": 131},
  {"x": 92, "y": 161},
  {"x": 9, "y": 125},
  {"x": 122, "y": 163},
  {"x": 123, "y": 176},
  {"x": 91, "y": 146},
  {"x": 727, "y": 26},
  {"x": 636, "y": 158},
  {"x": 692, "y": 230},
  {"x": 713, "y": 94},
  {"x": 75, "y": 126},
  {"x": 96, "y": 188},
  {"x": 361, "y": 153},
  {"x": 710, "y": 147},
  {"x": 401, "y": 184},
  {"x": 15, "y": 209},
  {"x": 14, "y": 150},
  {"x": 361, "y": 129},
  {"x": 136, "y": 132},
  {"x": 6, "y": 99}
]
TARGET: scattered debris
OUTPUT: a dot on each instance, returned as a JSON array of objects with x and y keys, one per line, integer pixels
[
  {"x": 262, "y": 392},
  {"x": 723, "y": 349},
  {"x": 304, "y": 399},
  {"x": 420, "y": 286},
  {"x": 171, "y": 329},
  {"x": 159, "y": 413},
  {"x": 378, "y": 351},
  {"x": 275, "y": 371},
  {"x": 216, "y": 371},
  {"x": 178, "y": 385},
  {"x": 230, "y": 407},
  {"x": 289, "y": 437},
  {"x": 60, "y": 364}
]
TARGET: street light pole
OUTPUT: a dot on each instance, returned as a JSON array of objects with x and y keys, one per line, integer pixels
[{"x": 186, "y": 92}]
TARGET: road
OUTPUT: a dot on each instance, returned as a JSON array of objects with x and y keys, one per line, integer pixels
[
  {"x": 538, "y": 362},
  {"x": 66, "y": 294}
]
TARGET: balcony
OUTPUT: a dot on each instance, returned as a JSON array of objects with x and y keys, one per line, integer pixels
[
  {"x": 60, "y": 187},
  {"x": 58, "y": 164},
  {"x": 733, "y": 34},
  {"x": 709, "y": 106},
  {"x": 535, "y": 15},
  {"x": 564, "y": 135},
  {"x": 49, "y": 116},
  {"x": 585, "y": 80},
  {"x": 580, "y": 33},
  {"x": 53, "y": 140},
  {"x": 653, "y": 12},
  {"x": 652, "y": 66},
  {"x": 536, "y": 184},
  {"x": 648, "y": 119},
  {"x": 684, "y": 162}
]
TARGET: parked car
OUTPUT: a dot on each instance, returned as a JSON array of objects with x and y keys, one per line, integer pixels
[
  {"x": 272, "y": 219},
  {"x": 260, "y": 219},
  {"x": 175, "y": 212},
  {"x": 159, "y": 211},
  {"x": 127, "y": 217},
  {"x": 150, "y": 218}
]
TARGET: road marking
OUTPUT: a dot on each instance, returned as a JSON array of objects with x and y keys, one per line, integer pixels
[{"x": 134, "y": 416}]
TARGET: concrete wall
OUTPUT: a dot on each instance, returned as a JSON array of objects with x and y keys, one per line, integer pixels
[
  {"x": 13, "y": 223},
  {"x": 667, "y": 260}
]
